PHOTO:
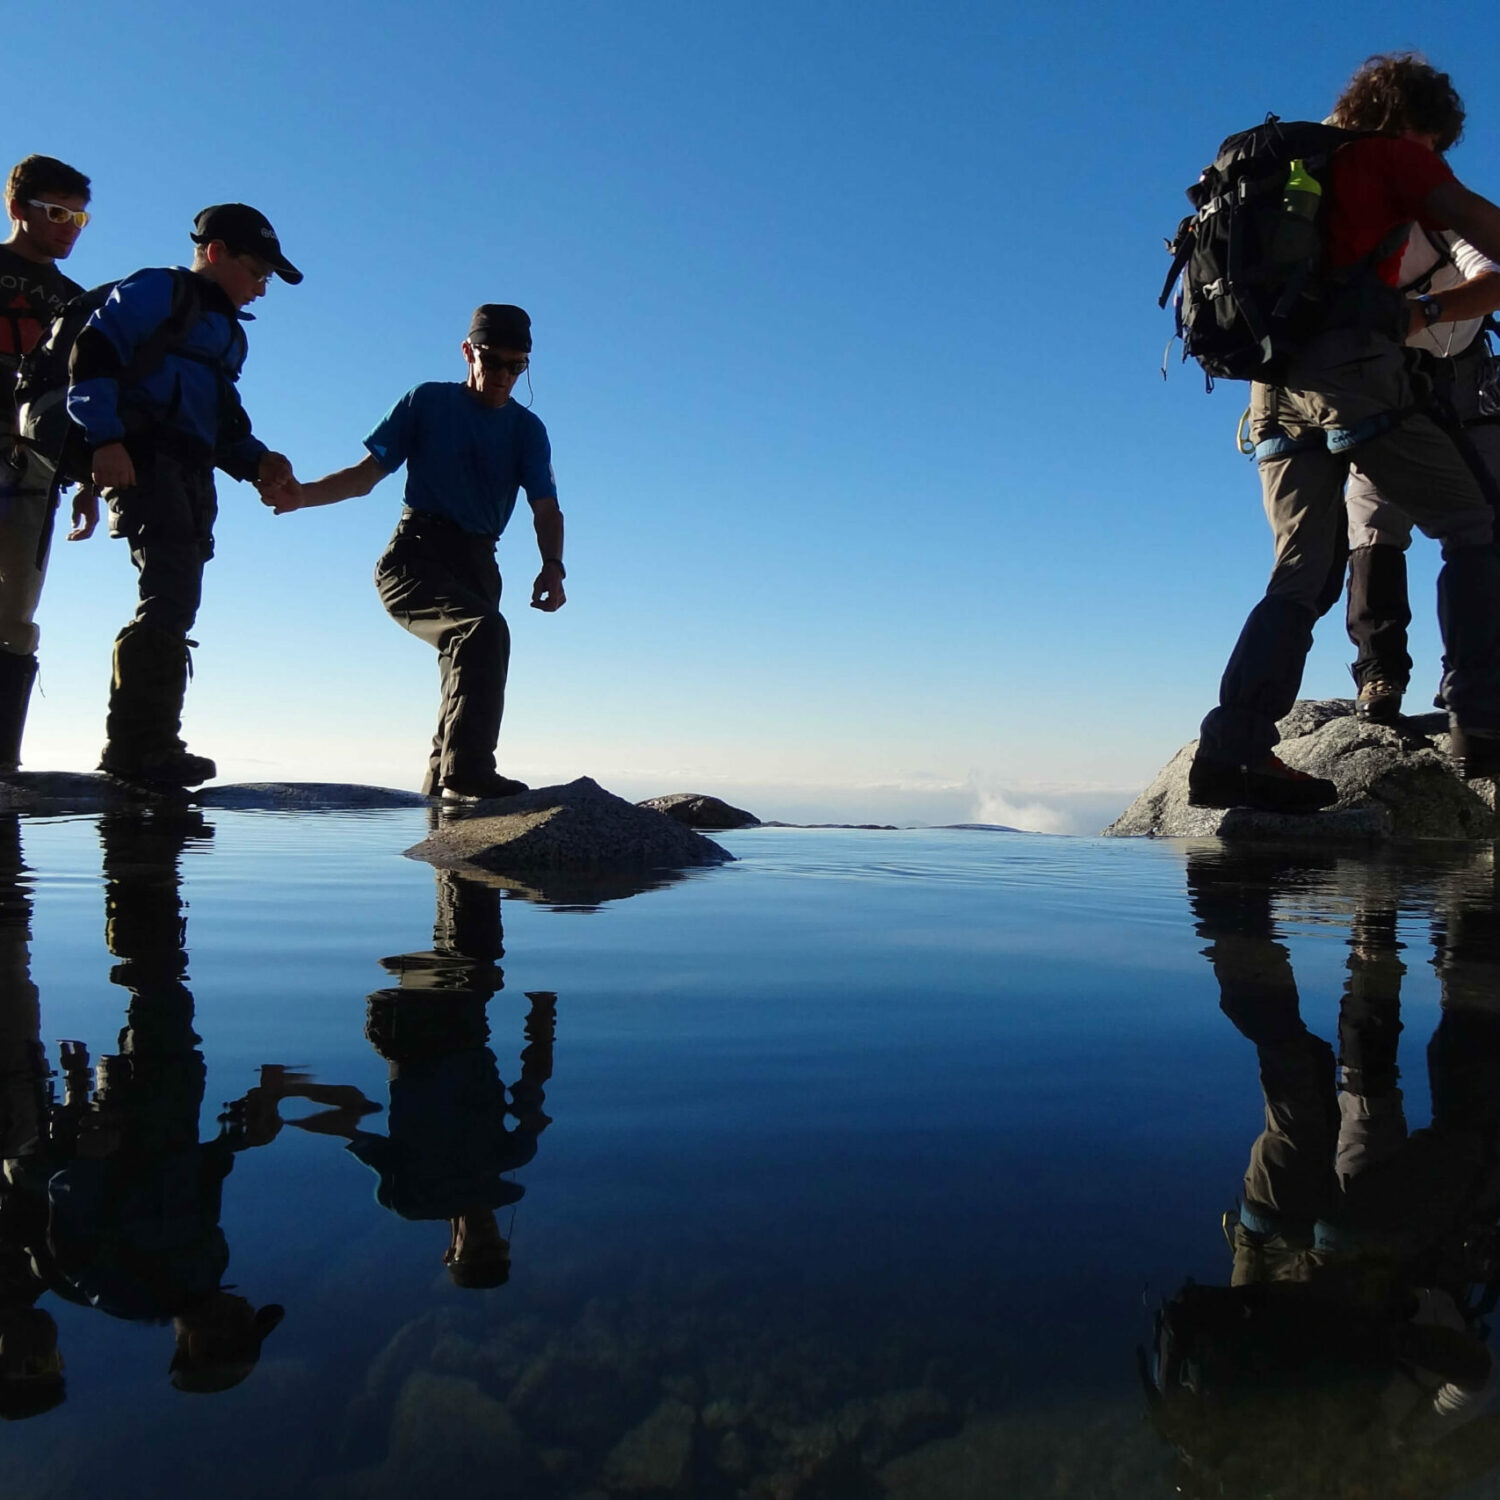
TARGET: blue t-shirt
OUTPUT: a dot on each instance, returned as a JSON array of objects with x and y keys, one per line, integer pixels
[{"x": 464, "y": 460}]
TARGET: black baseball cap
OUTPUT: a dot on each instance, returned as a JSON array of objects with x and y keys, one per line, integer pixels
[
  {"x": 246, "y": 231},
  {"x": 499, "y": 325}
]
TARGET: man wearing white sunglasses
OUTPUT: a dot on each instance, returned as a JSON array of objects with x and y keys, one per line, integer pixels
[{"x": 47, "y": 203}]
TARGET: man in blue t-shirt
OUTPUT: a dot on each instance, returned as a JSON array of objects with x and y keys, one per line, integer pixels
[{"x": 468, "y": 448}]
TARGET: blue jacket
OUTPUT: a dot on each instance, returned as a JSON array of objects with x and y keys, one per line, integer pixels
[{"x": 190, "y": 394}]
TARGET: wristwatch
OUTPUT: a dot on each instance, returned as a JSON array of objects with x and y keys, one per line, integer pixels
[{"x": 1432, "y": 309}]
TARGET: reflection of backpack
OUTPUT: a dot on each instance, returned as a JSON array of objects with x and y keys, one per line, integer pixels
[
  {"x": 42, "y": 380},
  {"x": 1254, "y": 284}
]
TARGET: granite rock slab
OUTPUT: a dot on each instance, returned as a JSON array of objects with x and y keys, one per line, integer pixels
[
  {"x": 577, "y": 827},
  {"x": 59, "y": 792},
  {"x": 307, "y": 796},
  {"x": 1395, "y": 782}
]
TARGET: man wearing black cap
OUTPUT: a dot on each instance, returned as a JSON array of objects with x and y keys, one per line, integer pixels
[
  {"x": 468, "y": 448},
  {"x": 152, "y": 385}
]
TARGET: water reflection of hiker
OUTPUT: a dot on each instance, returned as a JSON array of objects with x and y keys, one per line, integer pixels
[
  {"x": 449, "y": 1146},
  {"x": 31, "y": 1378},
  {"x": 1347, "y": 1344},
  {"x": 131, "y": 1198}
]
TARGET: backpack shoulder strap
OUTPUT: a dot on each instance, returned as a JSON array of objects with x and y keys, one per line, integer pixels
[{"x": 185, "y": 309}]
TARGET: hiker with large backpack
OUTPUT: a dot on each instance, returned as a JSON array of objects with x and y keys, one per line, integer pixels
[
  {"x": 47, "y": 201},
  {"x": 1306, "y": 226},
  {"x": 152, "y": 386}
]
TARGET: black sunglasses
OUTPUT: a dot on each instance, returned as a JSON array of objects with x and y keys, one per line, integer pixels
[{"x": 496, "y": 365}]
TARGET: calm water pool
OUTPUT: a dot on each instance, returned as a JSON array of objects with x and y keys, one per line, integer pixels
[{"x": 857, "y": 1168}]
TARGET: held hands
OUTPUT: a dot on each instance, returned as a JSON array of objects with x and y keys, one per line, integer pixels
[
  {"x": 343, "y": 1105},
  {"x": 277, "y": 483},
  {"x": 284, "y": 502},
  {"x": 547, "y": 592}
]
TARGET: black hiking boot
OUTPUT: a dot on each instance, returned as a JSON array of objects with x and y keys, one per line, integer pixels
[
  {"x": 166, "y": 771},
  {"x": 481, "y": 788},
  {"x": 1379, "y": 701},
  {"x": 1476, "y": 755},
  {"x": 1270, "y": 786},
  {"x": 17, "y": 673}
]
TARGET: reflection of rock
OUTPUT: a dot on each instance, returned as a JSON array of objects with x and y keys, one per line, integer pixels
[
  {"x": 577, "y": 827},
  {"x": 1393, "y": 783},
  {"x": 657, "y": 1456},
  {"x": 696, "y": 810},
  {"x": 576, "y": 888}
]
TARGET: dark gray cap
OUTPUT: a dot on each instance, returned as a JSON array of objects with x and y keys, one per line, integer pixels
[
  {"x": 246, "y": 231},
  {"x": 500, "y": 325}
]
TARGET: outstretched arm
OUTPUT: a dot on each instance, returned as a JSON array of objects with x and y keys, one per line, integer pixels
[
  {"x": 342, "y": 484},
  {"x": 1475, "y": 218},
  {"x": 547, "y": 592}
]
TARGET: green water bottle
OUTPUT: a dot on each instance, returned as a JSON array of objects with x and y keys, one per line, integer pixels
[{"x": 1296, "y": 237}]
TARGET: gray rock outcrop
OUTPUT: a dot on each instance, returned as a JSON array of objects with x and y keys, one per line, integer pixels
[
  {"x": 579, "y": 826},
  {"x": 698, "y": 810},
  {"x": 1395, "y": 782}
]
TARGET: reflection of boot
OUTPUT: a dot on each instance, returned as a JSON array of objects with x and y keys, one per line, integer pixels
[
  {"x": 145, "y": 711},
  {"x": 17, "y": 673}
]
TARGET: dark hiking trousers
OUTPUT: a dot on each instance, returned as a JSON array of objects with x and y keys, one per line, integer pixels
[
  {"x": 1378, "y": 615},
  {"x": 442, "y": 584},
  {"x": 1379, "y": 609},
  {"x": 168, "y": 520},
  {"x": 1354, "y": 397}
]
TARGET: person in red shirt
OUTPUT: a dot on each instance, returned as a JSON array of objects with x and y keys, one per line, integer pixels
[{"x": 1354, "y": 395}]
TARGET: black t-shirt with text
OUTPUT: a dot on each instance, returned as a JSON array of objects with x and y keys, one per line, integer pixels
[{"x": 31, "y": 295}]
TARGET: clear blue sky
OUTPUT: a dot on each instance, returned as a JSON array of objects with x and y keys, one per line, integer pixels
[{"x": 846, "y": 338}]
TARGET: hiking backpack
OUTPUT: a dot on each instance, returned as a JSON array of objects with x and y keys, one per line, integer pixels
[
  {"x": 42, "y": 378},
  {"x": 1254, "y": 283}
]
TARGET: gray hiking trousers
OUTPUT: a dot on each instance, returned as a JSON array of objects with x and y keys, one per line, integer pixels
[
  {"x": 443, "y": 585},
  {"x": 26, "y": 512},
  {"x": 1355, "y": 396}
]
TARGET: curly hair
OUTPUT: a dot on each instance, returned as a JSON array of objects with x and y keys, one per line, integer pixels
[
  {"x": 1394, "y": 92},
  {"x": 44, "y": 174}
]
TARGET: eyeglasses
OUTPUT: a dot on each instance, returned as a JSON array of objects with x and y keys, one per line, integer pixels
[
  {"x": 57, "y": 214},
  {"x": 261, "y": 278},
  {"x": 498, "y": 366}
]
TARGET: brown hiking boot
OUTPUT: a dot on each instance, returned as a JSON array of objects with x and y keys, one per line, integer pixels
[
  {"x": 1269, "y": 786},
  {"x": 1379, "y": 701}
]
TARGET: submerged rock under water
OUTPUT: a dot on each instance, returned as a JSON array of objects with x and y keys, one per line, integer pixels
[{"x": 1395, "y": 782}]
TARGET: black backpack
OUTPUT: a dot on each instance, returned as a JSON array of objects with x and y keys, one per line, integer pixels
[
  {"x": 1254, "y": 280},
  {"x": 42, "y": 378}
]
